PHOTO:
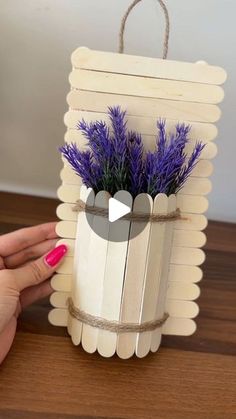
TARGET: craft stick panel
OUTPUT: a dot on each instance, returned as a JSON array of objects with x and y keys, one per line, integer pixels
[
  {"x": 138, "y": 280},
  {"x": 108, "y": 62}
]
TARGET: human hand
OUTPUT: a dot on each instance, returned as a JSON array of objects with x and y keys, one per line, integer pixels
[{"x": 25, "y": 266}]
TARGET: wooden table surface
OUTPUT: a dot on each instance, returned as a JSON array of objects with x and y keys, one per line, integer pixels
[{"x": 45, "y": 376}]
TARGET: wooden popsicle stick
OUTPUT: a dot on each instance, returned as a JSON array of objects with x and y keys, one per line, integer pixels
[
  {"x": 145, "y": 125},
  {"x": 185, "y": 273},
  {"x": 92, "y": 292},
  {"x": 134, "y": 276},
  {"x": 58, "y": 317},
  {"x": 114, "y": 276},
  {"x": 62, "y": 282},
  {"x": 68, "y": 176},
  {"x": 66, "y": 229},
  {"x": 152, "y": 279},
  {"x": 86, "y": 58},
  {"x": 190, "y": 221},
  {"x": 204, "y": 168},
  {"x": 191, "y": 204},
  {"x": 58, "y": 299},
  {"x": 138, "y": 86},
  {"x": 74, "y": 135},
  {"x": 209, "y": 151},
  {"x": 162, "y": 108},
  {"x": 183, "y": 291},
  {"x": 173, "y": 325},
  {"x": 188, "y": 238},
  {"x": 80, "y": 261},
  {"x": 68, "y": 193},
  {"x": 79, "y": 183},
  {"x": 196, "y": 186},
  {"x": 187, "y": 256},
  {"x": 187, "y": 203},
  {"x": 65, "y": 212},
  {"x": 175, "y": 308},
  {"x": 179, "y": 327},
  {"x": 182, "y": 309},
  {"x": 161, "y": 298}
]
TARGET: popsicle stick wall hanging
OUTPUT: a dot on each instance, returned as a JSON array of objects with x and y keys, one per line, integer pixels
[{"x": 140, "y": 131}]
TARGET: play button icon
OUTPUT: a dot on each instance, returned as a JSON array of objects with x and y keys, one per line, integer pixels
[
  {"x": 112, "y": 226},
  {"x": 117, "y": 210}
]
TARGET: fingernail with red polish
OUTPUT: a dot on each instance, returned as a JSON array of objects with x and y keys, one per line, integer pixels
[{"x": 54, "y": 257}]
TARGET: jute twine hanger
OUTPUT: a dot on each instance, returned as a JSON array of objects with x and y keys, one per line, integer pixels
[
  {"x": 167, "y": 27},
  {"x": 75, "y": 312}
]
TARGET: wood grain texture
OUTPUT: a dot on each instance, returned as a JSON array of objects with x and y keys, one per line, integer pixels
[
  {"x": 145, "y": 66},
  {"x": 192, "y": 377},
  {"x": 143, "y": 124},
  {"x": 144, "y": 107},
  {"x": 97, "y": 81}
]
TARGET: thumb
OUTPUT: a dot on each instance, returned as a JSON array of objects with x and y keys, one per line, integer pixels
[{"x": 37, "y": 271}]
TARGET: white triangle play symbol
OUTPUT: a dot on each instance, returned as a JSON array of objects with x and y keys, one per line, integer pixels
[{"x": 117, "y": 210}]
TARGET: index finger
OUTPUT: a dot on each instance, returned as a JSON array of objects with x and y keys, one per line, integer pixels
[{"x": 21, "y": 239}]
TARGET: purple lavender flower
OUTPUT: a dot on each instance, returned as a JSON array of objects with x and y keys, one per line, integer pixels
[
  {"x": 118, "y": 122},
  {"x": 187, "y": 169},
  {"x": 82, "y": 163},
  {"x": 136, "y": 161},
  {"x": 120, "y": 144},
  {"x": 168, "y": 158},
  {"x": 162, "y": 138},
  {"x": 116, "y": 160}
]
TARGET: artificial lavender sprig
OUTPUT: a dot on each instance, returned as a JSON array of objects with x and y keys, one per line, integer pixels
[
  {"x": 102, "y": 149},
  {"x": 116, "y": 159},
  {"x": 164, "y": 164},
  {"x": 83, "y": 164},
  {"x": 187, "y": 169},
  {"x": 120, "y": 146},
  {"x": 136, "y": 161}
]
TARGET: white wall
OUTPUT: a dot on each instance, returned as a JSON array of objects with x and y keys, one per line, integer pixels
[{"x": 37, "y": 38}]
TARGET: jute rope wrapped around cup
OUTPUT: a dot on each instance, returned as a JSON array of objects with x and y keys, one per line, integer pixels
[
  {"x": 80, "y": 206},
  {"x": 114, "y": 326}
]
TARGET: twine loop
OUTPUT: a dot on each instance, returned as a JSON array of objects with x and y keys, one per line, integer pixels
[
  {"x": 112, "y": 325},
  {"x": 80, "y": 206},
  {"x": 167, "y": 27}
]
